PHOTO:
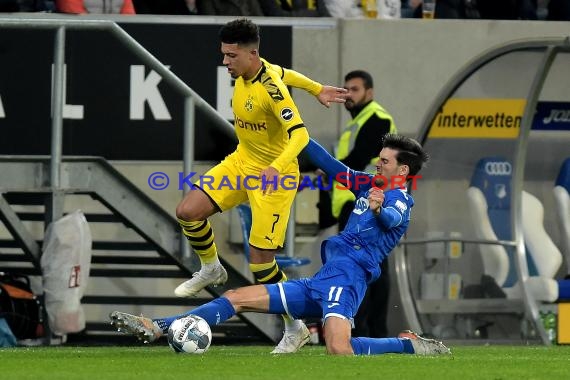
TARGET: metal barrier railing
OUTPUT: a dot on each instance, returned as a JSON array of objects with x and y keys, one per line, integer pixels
[
  {"x": 402, "y": 272},
  {"x": 192, "y": 100}
]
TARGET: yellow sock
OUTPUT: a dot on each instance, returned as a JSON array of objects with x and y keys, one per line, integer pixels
[
  {"x": 201, "y": 238},
  {"x": 267, "y": 273}
]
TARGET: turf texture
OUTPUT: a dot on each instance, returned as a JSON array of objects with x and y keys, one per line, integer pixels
[{"x": 255, "y": 362}]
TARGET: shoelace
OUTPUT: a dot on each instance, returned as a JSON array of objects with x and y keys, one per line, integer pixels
[{"x": 288, "y": 338}]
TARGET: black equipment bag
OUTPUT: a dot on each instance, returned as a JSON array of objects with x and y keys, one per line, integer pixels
[{"x": 20, "y": 308}]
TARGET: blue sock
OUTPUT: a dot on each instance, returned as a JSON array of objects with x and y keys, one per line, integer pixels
[
  {"x": 377, "y": 346},
  {"x": 564, "y": 290},
  {"x": 214, "y": 312}
]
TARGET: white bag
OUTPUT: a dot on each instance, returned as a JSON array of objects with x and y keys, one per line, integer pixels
[{"x": 65, "y": 263}]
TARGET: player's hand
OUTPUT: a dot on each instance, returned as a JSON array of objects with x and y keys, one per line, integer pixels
[
  {"x": 269, "y": 180},
  {"x": 330, "y": 94},
  {"x": 375, "y": 199}
]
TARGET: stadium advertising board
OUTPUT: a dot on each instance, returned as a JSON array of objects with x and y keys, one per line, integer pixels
[
  {"x": 495, "y": 118},
  {"x": 553, "y": 116},
  {"x": 479, "y": 118},
  {"x": 116, "y": 107}
]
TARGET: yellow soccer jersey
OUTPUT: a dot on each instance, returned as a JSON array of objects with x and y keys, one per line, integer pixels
[
  {"x": 264, "y": 115},
  {"x": 292, "y": 78}
]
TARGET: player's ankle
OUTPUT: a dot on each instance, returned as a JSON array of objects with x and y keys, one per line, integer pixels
[
  {"x": 212, "y": 264},
  {"x": 293, "y": 324}
]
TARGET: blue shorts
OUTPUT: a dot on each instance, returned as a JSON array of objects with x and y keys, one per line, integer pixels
[{"x": 337, "y": 289}]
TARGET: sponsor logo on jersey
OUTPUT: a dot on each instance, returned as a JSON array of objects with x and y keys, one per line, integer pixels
[
  {"x": 287, "y": 114},
  {"x": 360, "y": 206},
  {"x": 401, "y": 206},
  {"x": 249, "y": 104},
  {"x": 273, "y": 91},
  {"x": 499, "y": 168},
  {"x": 247, "y": 125}
]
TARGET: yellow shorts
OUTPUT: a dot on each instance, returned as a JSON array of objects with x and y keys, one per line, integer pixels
[{"x": 228, "y": 185}]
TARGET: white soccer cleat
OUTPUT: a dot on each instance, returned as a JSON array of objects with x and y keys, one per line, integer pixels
[
  {"x": 424, "y": 346},
  {"x": 207, "y": 276},
  {"x": 141, "y": 327},
  {"x": 292, "y": 341}
]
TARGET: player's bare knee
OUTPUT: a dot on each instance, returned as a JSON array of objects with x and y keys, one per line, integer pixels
[
  {"x": 196, "y": 206},
  {"x": 339, "y": 348},
  {"x": 337, "y": 336},
  {"x": 184, "y": 212},
  {"x": 193, "y": 211},
  {"x": 234, "y": 297},
  {"x": 337, "y": 345}
]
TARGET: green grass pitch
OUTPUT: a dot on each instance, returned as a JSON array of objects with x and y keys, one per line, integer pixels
[{"x": 255, "y": 362}]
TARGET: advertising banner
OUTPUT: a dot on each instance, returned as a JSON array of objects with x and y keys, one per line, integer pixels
[
  {"x": 496, "y": 118},
  {"x": 115, "y": 106}
]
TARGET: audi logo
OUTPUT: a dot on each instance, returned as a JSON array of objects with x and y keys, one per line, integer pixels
[{"x": 498, "y": 168}]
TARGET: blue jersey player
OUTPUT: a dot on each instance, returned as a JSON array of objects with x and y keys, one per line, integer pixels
[{"x": 350, "y": 261}]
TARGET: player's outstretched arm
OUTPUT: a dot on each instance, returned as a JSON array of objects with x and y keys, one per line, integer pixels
[
  {"x": 325, "y": 94},
  {"x": 323, "y": 159},
  {"x": 348, "y": 178}
]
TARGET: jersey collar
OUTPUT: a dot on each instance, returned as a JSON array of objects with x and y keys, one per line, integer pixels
[{"x": 261, "y": 71}]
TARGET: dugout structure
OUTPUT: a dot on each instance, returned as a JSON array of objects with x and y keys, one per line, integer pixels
[{"x": 511, "y": 105}]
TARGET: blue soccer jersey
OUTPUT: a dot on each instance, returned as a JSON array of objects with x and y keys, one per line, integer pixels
[
  {"x": 352, "y": 258},
  {"x": 367, "y": 238}
]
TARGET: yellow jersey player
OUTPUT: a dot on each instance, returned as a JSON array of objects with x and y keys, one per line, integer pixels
[{"x": 271, "y": 134}]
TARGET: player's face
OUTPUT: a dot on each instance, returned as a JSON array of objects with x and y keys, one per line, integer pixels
[
  {"x": 238, "y": 59},
  {"x": 357, "y": 94},
  {"x": 387, "y": 164}
]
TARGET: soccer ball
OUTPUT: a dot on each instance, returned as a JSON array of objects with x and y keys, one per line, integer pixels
[{"x": 190, "y": 334}]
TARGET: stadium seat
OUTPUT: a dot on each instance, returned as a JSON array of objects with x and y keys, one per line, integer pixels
[
  {"x": 562, "y": 202},
  {"x": 489, "y": 197},
  {"x": 282, "y": 260}
]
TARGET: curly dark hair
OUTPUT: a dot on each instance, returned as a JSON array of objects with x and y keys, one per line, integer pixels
[
  {"x": 364, "y": 75},
  {"x": 241, "y": 31},
  {"x": 410, "y": 152}
]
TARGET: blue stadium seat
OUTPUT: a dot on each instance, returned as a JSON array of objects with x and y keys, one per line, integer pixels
[
  {"x": 489, "y": 198},
  {"x": 282, "y": 260}
]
